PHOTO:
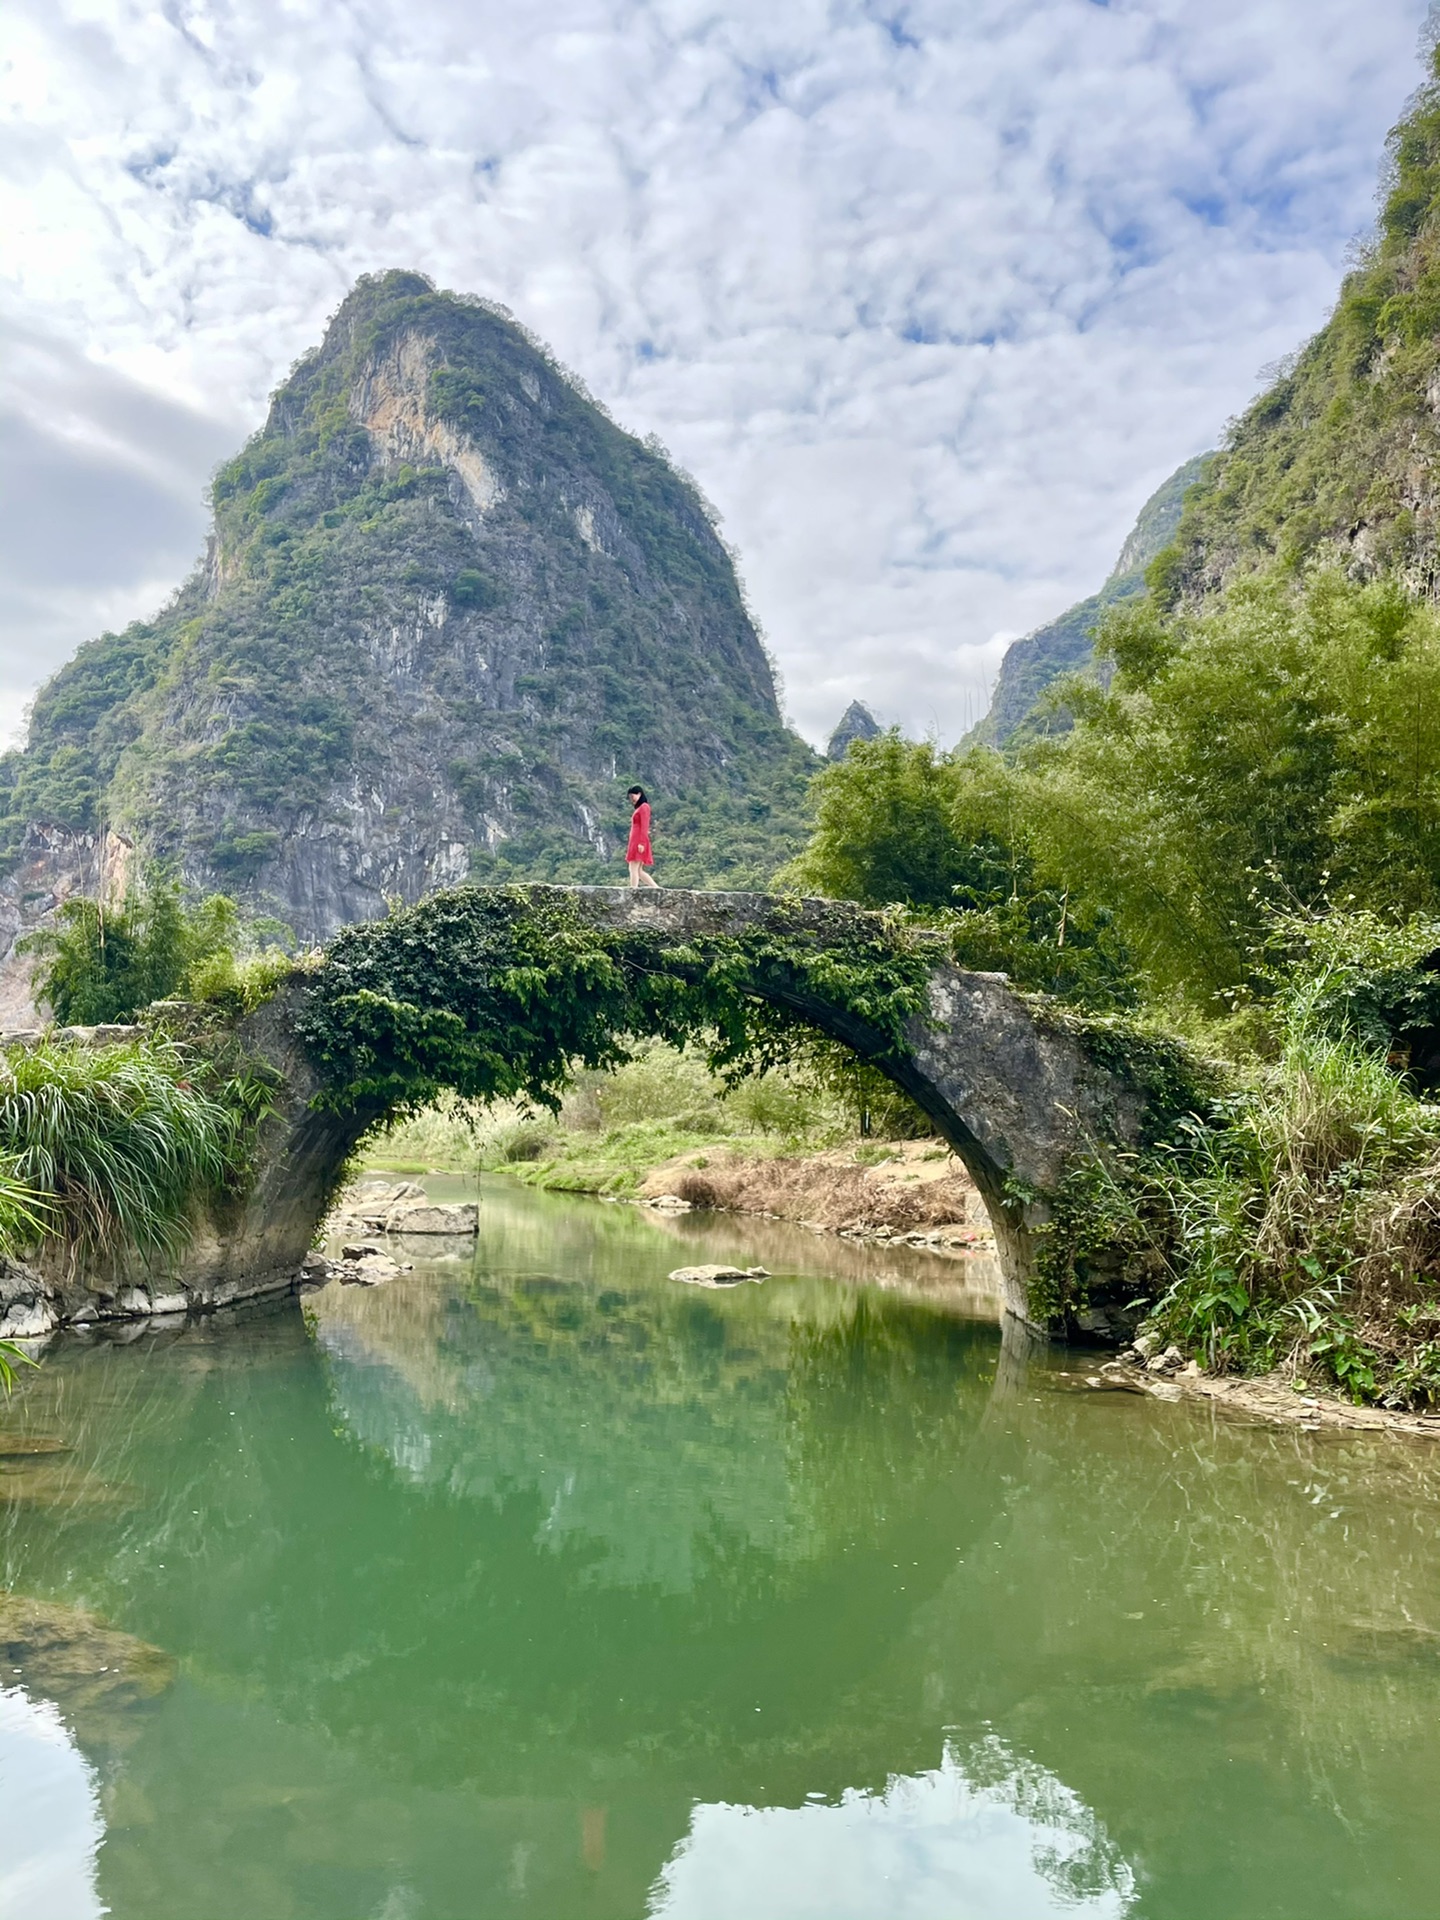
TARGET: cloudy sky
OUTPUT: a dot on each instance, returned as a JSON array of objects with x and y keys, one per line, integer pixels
[{"x": 928, "y": 297}]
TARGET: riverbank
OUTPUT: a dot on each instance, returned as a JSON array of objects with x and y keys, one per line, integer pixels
[
  {"x": 915, "y": 1190},
  {"x": 1281, "y": 1398}
]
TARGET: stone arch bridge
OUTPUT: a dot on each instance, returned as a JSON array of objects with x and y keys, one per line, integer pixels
[{"x": 1018, "y": 1095}]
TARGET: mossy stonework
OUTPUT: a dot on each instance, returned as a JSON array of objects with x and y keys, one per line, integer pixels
[{"x": 497, "y": 992}]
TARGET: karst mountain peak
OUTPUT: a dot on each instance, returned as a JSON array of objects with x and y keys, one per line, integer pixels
[{"x": 449, "y": 611}]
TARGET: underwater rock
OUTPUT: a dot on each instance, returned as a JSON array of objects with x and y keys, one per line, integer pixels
[{"x": 66, "y": 1655}]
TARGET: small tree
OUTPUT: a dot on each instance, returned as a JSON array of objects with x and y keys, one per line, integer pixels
[
  {"x": 900, "y": 823},
  {"x": 101, "y": 964}
]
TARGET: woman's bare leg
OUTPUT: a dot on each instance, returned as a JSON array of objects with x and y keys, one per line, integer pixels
[{"x": 638, "y": 876}]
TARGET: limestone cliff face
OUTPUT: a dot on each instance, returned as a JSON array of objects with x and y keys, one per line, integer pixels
[{"x": 449, "y": 613}]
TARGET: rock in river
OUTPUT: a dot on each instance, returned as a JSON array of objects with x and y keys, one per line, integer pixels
[
  {"x": 68, "y": 1656},
  {"x": 424, "y": 1216},
  {"x": 717, "y": 1276}
]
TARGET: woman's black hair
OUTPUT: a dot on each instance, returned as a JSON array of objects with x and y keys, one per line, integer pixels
[{"x": 637, "y": 794}]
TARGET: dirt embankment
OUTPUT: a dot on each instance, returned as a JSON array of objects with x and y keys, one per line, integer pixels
[{"x": 918, "y": 1191}]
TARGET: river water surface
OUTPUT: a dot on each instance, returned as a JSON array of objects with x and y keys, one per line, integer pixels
[{"x": 534, "y": 1583}]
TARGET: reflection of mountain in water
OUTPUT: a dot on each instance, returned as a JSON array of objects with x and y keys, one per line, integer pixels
[
  {"x": 816, "y": 1552},
  {"x": 657, "y": 1427},
  {"x": 648, "y": 1426}
]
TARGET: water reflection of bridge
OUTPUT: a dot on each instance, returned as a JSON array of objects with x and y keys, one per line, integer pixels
[{"x": 477, "y": 1585}]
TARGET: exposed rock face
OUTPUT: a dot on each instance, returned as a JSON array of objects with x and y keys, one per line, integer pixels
[
  {"x": 856, "y": 723},
  {"x": 449, "y": 613}
]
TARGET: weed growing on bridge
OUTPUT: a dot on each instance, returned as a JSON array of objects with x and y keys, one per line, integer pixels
[{"x": 501, "y": 994}]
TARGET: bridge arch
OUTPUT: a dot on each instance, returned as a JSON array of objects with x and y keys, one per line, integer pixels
[{"x": 1021, "y": 1093}]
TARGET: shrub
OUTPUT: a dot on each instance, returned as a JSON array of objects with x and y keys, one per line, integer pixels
[{"x": 101, "y": 964}]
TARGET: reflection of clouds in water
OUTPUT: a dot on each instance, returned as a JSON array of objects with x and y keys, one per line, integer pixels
[
  {"x": 989, "y": 1838},
  {"x": 50, "y": 1824}
]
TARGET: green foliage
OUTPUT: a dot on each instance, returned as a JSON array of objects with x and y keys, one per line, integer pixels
[
  {"x": 886, "y": 829},
  {"x": 1274, "y": 753},
  {"x": 949, "y": 834},
  {"x": 471, "y": 588},
  {"x": 122, "y": 1144},
  {"x": 103, "y": 964},
  {"x": 237, "y": 986},
  {"x": 1365, "y": 975},
  {"x": 1256, "y": 1231},
  {"x": 11, "y": 1357},
  {"x": 501, "y": 994},
  {"x": 100, "y": 965},
  {"x": 243, "y": 854},
  {"x": 24, "y": 1212}
]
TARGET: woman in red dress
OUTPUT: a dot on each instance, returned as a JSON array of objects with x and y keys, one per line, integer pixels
[{"x": 638, "y": 853}]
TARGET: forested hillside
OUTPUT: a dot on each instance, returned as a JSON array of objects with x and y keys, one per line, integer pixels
[
  {"x": 449, "y": 613},
  {"x": 1238, "y": 839},
  {"x": 1067, "y": 644},
  {"x": 1340, "y": 457}
]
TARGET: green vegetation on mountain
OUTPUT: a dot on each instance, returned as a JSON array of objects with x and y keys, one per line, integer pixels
[
  {"x": 450, "y": 613},
  {"x": 1338, "y": 458},
  {"x": 1066, "y": 645}
]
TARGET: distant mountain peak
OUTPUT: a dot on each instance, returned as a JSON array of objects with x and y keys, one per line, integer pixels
[
  {"x": 1066, "y": 644},
  {"x": 450, "y": 611},
  {"x": 856, "y": 723}
]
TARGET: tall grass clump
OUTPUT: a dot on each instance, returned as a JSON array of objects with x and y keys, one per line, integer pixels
[
  {"x": 1272, "y": 1204},
  {"x": 114, "y": 1148}
]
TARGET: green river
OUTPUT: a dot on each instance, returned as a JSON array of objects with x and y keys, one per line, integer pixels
[{"x": 535, "y": 1583}]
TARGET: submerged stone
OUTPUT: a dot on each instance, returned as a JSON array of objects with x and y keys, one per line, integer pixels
[{"x": 69, "y": 1656}]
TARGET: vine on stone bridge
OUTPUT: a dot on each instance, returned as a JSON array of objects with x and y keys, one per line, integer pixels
[{"x": 501, "y": 993}]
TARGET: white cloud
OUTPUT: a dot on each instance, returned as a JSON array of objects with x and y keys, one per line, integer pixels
[{"x": 928, "y": 297}]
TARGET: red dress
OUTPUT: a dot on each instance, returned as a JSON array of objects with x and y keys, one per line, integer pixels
[{"x": 639, "y": 847}]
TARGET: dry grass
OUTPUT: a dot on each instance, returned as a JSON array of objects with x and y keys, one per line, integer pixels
[{"x": 908, "y": 1194}]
